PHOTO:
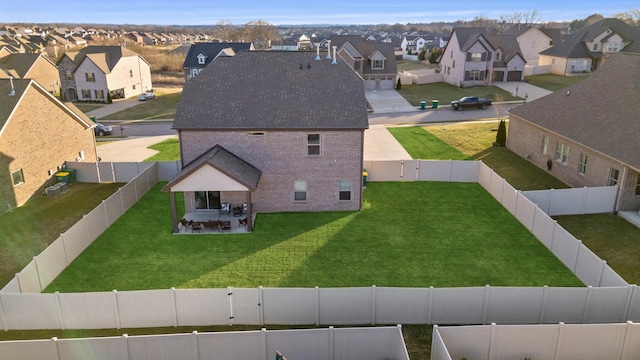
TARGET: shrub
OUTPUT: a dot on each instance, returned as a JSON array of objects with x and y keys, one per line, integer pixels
[
  {"x": 501, "y": 136},
  {"x": 399, "y": 85},
  {"x": 422, "y": 55}
]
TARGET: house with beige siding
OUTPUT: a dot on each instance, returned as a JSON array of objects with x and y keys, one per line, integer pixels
[
  {"x": 279, "y": 131},
  {"x": 532, "y": 40},
  {"x": 38, "y": 134},
  {"x": 96, "y": 73},
  {"x": 31, "y": 66},
  {"x": 589, "y": 133},
  {"x": 586, "y": 49}
]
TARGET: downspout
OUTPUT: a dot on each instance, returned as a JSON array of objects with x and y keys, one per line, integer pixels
[
  {"x": 361, "y": 186},
  {"x": 620, "y": 188}
]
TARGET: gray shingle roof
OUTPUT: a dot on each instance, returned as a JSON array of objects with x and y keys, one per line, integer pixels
[
  {"x": 21, "y": 63},
  {"x": 574, "y": 46},
  {"x": 365, "y": 49},
  {"x": 210, "y": 50},
  {"x": 112, "y": 54},
  {"x": 601, "y": 112},
  {"x": 224, "y": 161},
  {"x": 508, "y": 44},
  {"x": 262, "y": 90}
]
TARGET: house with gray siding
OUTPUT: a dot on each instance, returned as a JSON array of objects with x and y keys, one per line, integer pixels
[
  {"x": 589, "y": 133},
  {"x": 280, "y": 131}
]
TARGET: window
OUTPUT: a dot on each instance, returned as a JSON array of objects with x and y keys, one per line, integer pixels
[
  {"x": 595, "y": 47},
  {"x": 498, "y": 56},
  {"x": 81, "y": 155},
  {"x": 553, "y": 61},
  {"x": 130, "y": 73},
  {"x": 582, "y": 165},
  {"x": 562, "y": 153},
  {"x": 448, "y": 70},
  {"x": 207, "y": 200},
  {"x": 452, "y": 54},
  {"x": 201, "y": 59},
  {"x": 69, "y": 76},
  {"x": 86, "y": 94},
  {"x": 377, "y": 64},
  {"x": 300, "y": 190},
  {"x": 133, "y": 87},
  {"x": 638, "y": 185},
  {"x": 613, "y": 177},
  {"x": 475, "y": 57},
  {"x": 572, "y": 65},
  {"x": 545, "y": 143},
  {"x": 584, "y": 65},
  {"x": 344, "y": 190},
  {"x": 17, "y": 177},
  {"x": 612, "y": 46},
  {"x": 454, "y": 64},
  {"x": 313, "y": 144},
  {"x": 99, "y": 94},
  {"x": 90, "y": 77},
  {"x": 474, "y": 75}
]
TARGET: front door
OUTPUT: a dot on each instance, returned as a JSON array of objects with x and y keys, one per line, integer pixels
[
  {"x": 71, "y": 92},
  {"x": 207, "y": 200}
]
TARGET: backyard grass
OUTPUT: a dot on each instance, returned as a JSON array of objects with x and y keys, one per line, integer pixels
[
  {"x": 162, "y": 107},
  {"x": 413, "y": 234},
  {"x": 29, "y": 229},
  {"x": 554, "y": 82},
  {"x": 169, "y": 150},
  {"x": 473, "y": 141},
  {"x": 614, "y": 239},
  {"x": 406, "y": 65},
  {"x": 446, "y": 93}
]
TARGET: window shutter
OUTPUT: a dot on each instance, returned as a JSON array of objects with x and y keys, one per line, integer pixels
[
  {"x": 482, "y": 75},
  {"x": 468, "y": 56},
  {"x": 489, "y": 56},
  {"x": 483, "y": 57},
  {"x": 466, "y": 76}
]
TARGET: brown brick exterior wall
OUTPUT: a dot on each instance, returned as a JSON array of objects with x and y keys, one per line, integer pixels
[
  {"x": 39, "y": 137},
  {"x": 526, "y": 139},
  {"x": 282, "y": 158},
  {"x": 63, "y": 66}
]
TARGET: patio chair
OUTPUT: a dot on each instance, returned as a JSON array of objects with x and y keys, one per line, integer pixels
[
  {"x": 244, "y": 207},
  {"x": 225, "y": 209},
  {"x": 184, "y": 224},
  {"x": 242, "y": 222},
  {"x": 225, "y": 225},
  {"x": 212, "y": 224}
]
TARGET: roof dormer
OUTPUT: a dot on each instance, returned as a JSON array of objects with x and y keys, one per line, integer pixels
[{"x": 202, "y": 59}]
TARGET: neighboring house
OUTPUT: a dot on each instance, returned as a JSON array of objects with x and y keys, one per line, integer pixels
[
  {"x": 585, "y": 50},
  {"x": 533, "y": 40},
  {"x": 96, "y": 72},
  {"x": 245, "y": 137},
  {"x": 375, "y": 62},
  {"x": 38, "y": 134},
  {"x": 5, "y": 50},
  {"x": 202, "y": 53},
  {"x": 304, "y": 42},
  {"x": 587, "y": 134},
  {"x": 413, "y": 43},
  {"x": 31, "y": 66},
  {"x": 471, "y": 54},
  {"x": 288, "y": 44}
]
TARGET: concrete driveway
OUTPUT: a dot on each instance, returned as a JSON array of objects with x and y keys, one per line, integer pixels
[
  {"x": 387, "y": 101},
  {"x": 522, "y": 89},
  {"x": 131, "y": 149}
]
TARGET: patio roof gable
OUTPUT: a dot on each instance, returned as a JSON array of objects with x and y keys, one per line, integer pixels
[{"x": 207, "y": 178}]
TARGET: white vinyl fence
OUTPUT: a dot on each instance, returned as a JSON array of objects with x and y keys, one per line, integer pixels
[
  {"x": 556, "y": 342},
  {"x": 313, "y": 344},
  {"x": 586, "y": 200},
  {"x": 610, "y": 299}
]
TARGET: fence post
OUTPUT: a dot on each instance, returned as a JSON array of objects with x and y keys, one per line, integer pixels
[
  {"x": 35, "y": 262},
  {"x": 106, "y": 213},
  {"x": 575, "y": 263},
  {"x": 18, "y": 281},
  {"x": 373, "y": 304},
  {"x": 625, "y": 342},
  {"x": 317, "y": 306},
  {"x": 263, "y": 341},
  {"x": 116, "y": 307},
  {"x": 604, "y": 264},
  {"x": 450, "y": 169},
  {"x": 430, "y": 305},
  {"x": 260, "y": 305},
  {"x": 230, "y": 297},
  {"x": 486, "y": 304},
  {"x": 113, "y": 172},
  {"x": 559, "y": 341},
  {"x": 54, "y": 341},
  {"x": 585, "y": 196},
  {"x": 332, "y": 345},
  {"x": 553, "y": 234},
  {"x": 121, "y": 201},
  {"x": 195, "y": 343},
  {"x": 550, "y": 197},
  {"x": 3, "y": 317},
  {"x": 60, "y": 314},
  {"x": 586, "y": 304},
  {"x": 543, "y": 303},
  {"x": 630, "y": 293},
  {"x": 125, "y": 337},
  {"x": 64, "y": 248},
  {"x": 175, "y": 307},
  {"x": 492, "y": 336}
]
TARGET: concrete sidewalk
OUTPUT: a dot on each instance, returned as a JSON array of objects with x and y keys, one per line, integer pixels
[
  {"x": 379, "y": 144},
  {"x": 523, "y": 90}
]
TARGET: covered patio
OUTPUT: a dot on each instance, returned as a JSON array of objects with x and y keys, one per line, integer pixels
[{"x": 212, "y": 184}]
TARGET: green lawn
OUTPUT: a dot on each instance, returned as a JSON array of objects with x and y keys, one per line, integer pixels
[
  {"x": 169, "y": 150},
  {"x": 86, "y": 107},
  {"x": 29, "y": 229},
  {"x": 473, "y": 141},
  {"x": 554, "y": 82},
  {"x": 405, "y": 65},
  {"x": 446, "y": 93},
  {"x": 413, "y": 234},
  {"x": 162, "y": 107}
]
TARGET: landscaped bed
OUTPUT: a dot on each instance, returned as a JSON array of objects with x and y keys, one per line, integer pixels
[{"x": 410, "y": 234}]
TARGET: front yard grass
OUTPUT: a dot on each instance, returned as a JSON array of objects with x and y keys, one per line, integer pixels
[
  {"x": 554, "y": 82},
  {"x": 473, "y": 141},
  {"x": 164, "y": 106},
  {"x": 86, "y": 107},
  {"x": 29, "y": 229},
  {"x": 446, "y": 93},
  {"x": 412, "y": 234},
  {"x": 169, "y": 150}
]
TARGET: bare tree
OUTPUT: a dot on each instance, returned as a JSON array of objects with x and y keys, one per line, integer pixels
[
  {"x": 224, "y": 30},
  {"x": 519, "y": 18},
  {"x": 631, "y": 17},
  {"x": 260, "y": 33}
]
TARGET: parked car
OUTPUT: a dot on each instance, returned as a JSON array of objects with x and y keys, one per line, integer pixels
[
  {"x": 103, "y": 130},
  {"x": 146, "y": 96},
  {"x": 469, "y": 102}
]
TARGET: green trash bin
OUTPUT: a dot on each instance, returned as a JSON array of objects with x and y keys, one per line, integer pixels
[
  {"x": 364, "y": 177},
  {"x": 62, "y": 176},
  {"x": 93, "y": 118},
  {"x": 423, "y": 105},
  {"x": 434, "y": 104},
  {"x": 72, "y": 175}
]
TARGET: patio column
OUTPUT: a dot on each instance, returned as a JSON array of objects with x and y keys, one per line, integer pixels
[
  {"x": 174, "y": 217},
  {"x": 249, "y": 212}
]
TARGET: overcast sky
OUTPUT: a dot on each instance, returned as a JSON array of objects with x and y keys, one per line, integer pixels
[{"x": 280, "y": 12}]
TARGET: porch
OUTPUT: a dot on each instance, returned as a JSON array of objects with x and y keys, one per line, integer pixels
[{"x": 209, "y": 222}]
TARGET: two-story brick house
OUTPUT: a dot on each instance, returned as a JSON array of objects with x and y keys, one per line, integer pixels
[
  {"x": 280, "y": 131},
  {"x": 375, "y": 62},
  {"x": 96, "y": 72},
  {"x": 589, "y": 133},
  {"x": 31, "y": 66},
  {"x": 586, "y": 49},
  {"x": 38, "y": 134}
]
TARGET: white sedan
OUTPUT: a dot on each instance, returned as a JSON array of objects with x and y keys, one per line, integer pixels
[{"x": 146, "y": 96}]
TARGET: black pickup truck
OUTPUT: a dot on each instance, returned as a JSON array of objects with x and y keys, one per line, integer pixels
[{"x": 469, "y": 102}]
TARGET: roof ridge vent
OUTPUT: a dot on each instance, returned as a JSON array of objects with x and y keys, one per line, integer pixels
[{"x": 13, "y": 90}]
